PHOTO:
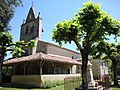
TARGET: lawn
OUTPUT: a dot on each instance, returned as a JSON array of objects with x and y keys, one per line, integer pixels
[
  {"x": 115, "y": 88},
  {"x": 55, "y": 88}
]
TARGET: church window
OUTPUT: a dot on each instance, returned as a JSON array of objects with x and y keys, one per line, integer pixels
[
  {"x": 26, "y": 30},
  {"x": 32, "y": 28},
  {"x": 30, "y": 16}
]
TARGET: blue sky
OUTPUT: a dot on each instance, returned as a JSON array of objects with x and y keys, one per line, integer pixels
[{"x": 53, "y": 11}]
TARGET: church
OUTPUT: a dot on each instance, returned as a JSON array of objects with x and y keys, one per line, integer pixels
[{"x": 45, "y": 61}]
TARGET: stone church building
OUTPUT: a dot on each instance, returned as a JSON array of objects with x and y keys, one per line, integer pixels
[{"x": 45, "y": 61}]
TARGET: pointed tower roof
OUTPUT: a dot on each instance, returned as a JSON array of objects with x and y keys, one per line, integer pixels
[{"x": 31, "y": 15}]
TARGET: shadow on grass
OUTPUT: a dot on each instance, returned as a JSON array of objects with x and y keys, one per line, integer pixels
[
  {"x": 9, "y": 85},
  {"x": 115, "y": 86}
]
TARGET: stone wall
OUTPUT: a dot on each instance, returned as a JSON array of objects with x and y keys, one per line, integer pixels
[
  {"x": 41, "y": 47},
  {"x": 30, "y": 34},
  {"x": 27, "y": 80},
  {"x": 53, "y": 49},
  {"x": 36, "y": 80},
  {"x": 49, "y": 48},
  {"x": 57, "y": 77}
]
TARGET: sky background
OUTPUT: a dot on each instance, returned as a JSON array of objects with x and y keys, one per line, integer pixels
[{"x": 53, "y": 11}]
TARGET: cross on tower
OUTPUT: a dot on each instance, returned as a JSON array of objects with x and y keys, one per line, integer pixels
[{"x": 32, "y": 4}]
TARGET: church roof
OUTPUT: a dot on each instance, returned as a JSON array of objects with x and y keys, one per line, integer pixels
[
  {"x": 43, "y": 57},
  {"x": 31, "y": 15}
]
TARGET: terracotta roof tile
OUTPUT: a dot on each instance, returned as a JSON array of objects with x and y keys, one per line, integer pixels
[{"x": 43, "y": 57}]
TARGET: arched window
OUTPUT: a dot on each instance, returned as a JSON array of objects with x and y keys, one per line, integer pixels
[
  {"x": 26, "y": 30},
  {"x": 32, "y": 28}
]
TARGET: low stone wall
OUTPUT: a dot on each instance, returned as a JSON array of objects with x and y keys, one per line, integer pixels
[
  {"x": 27, "y": 80},
  {"x": 36, "y": 80}
]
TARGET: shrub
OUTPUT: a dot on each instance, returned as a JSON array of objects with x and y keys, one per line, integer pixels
[{"x": 50, "y": 84}]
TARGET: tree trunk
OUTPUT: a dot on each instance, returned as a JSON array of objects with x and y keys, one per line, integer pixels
[
  {"x": 1, "y": 64},
  {"x": 84, "y": 52},
  {"x": 115, "y": 73},
  {"x": 84, "y": 70}
]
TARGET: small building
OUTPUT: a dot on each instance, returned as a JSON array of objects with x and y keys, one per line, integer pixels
[{"x": 100, "y": 69}]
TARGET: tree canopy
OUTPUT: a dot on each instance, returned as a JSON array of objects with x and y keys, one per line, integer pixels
[
  {"x": 89, "y": 26},
  {"x": 16, "y": 48},
  {"x": 7, "y": 9},
  {"x": 109, "y": 51}
]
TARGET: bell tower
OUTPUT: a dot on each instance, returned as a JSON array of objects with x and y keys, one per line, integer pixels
[{"x": 31, "y": 28}]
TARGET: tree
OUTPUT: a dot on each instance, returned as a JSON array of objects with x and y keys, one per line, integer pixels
[
  {"x": 16, "y": 48},
  {"x": 118, "y": 70},
  {"x": 7, "y": 9},
  {"x": 90, "y": 25},
  {"x": 110, "y": 51}
]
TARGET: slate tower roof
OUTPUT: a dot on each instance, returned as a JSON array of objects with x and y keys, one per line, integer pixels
[{"x": 31, "y": 15}]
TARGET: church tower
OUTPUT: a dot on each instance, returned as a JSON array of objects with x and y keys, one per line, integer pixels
[{"x": 31, "y": 28}]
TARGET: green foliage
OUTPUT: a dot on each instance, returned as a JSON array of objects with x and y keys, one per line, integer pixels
[
  {"x": 109, "y": 51},
  {"x": 7, "y": 9},
  {"x": 7, "y": 70},
  {"x": 6, "y": 40},
  {"x": 50, "y": 84},
  {"x": 118, "y": 69},
  {"x": 68, "y": 29},
  {"x": 20, "y": 46},
  {"x": 16, "y": 48},
  {"x": 89, "y": 26},
  {"x": 106, "y": 50}
]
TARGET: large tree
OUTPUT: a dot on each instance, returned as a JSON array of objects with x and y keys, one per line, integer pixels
[
  {"x": 109, "y": 51},
  {"x": 7, "y": 9},
  {"x": 15, "y": 48},
  {"x": 90, "y": 25},
  {"x": 118, "y": 70}
]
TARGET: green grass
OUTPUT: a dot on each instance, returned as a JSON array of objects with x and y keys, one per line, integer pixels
[
  {"x": 54, "y": 88},
  {"x": 115, "y": 88}
]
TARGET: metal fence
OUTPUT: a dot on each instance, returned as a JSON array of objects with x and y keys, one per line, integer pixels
[{"x": 70, "y": 83}]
